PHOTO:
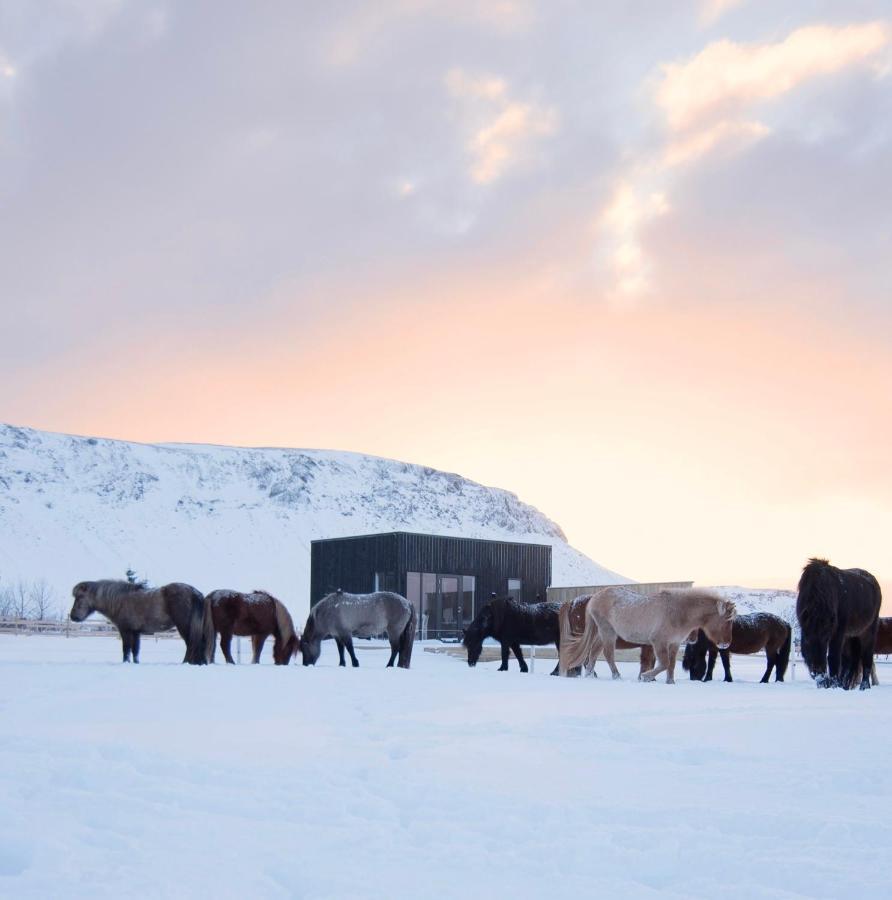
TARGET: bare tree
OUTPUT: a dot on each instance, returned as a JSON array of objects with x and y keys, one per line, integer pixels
[
  {"x": 6, "y": 601},
  {"x": 41, "y": 599},
  {"x": 21, "y": 600}
]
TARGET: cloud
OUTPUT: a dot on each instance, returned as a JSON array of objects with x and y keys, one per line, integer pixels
[
  {"x": 501, "y": 130},
  {"x": 726, "y": 77},
  {"x": 712, "y": 10}
]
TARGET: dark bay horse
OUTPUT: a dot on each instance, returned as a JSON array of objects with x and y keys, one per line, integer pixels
[
  {"x": 343, "y": 616},
  {"x": 572, "y": 624},
  {"x": 837, "y": 607},
  {"x": 256, "y": 615},
  {"x": 137, "y": 610},
  {"x": 513, "y": 623},
  {"x": 750, "y": 633}
]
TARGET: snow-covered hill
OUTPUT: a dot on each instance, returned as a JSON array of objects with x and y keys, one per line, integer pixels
[
  {"x": 780, "y": 602},
  {"x": 75, "y": 508}
]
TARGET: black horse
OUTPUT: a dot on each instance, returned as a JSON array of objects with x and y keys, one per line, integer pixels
[
  {"x": 513, "y": 623},
  {"x": 837, "y": 607},
  {"x": 749, "y": 634}
]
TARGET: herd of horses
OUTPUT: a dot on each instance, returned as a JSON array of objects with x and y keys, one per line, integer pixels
[{"x": 837, "y": 611}]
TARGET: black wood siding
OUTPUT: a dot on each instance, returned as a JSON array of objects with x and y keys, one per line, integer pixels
[{"x": 351, "y": 563}]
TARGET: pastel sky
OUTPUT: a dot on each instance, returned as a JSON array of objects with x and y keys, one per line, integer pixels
[{"x": 630, "y": 260}]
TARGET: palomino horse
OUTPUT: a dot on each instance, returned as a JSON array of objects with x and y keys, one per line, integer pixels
[
  {"x": 662, "y": 620},
  {"x": 512, "y": 623},
  {"x": 137, "y": 610},
  {"x": 750, "y": 633},
  {"x": 257, "y": 615},
  {"x": 572, "y": 624},
  {"x": 342, "y": 616},
  {"x": 836, "y": 607}
]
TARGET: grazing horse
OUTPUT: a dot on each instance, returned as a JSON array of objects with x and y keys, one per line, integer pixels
[
  {"x": 852, "y": 665},
  {"x": 513, "y": 623},
  {"x": 750, "y": 633},
  {"x": 662, "y": 620},
  {"x": 137, "y": 610},
  {"x": 837, "y": 607},
  {"x": 572, "y": 624},
  {"x": 257, "y": 615},
  {"x": 342, "y": 616}
]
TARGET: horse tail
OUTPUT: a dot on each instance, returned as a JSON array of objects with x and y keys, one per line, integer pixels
[
  {"x": 407, "y": 639},
  {"x": 565, "y": 637},
  {"x": 783, "y": 656},
  {"x": 202, "y": 637},
  {"x": 289, "y": 642},
  {"x": 579, "y": 650},
  {"x": 687, "y": 661}
]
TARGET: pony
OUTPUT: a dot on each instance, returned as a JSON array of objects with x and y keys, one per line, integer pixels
[
  {"x": 662, "y": 620},
  {"x": 572, "y": 623},
  {"x": 512, "y": 623},
  {"x": 136, "y": 610},
  {"x": 750, "y": 633},
  {"x": 883, "y": 645},
  {"x": 836, "y": 607},
  {"x": 257, "y": 615},
  {"x": 342, "y": 616}
]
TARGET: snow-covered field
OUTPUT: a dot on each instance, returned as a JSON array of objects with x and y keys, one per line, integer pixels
[{"x": 442, "y": 781}]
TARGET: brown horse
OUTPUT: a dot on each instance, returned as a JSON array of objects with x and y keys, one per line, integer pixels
[
  {"x": 572, "y": 624},
  {"x": 257, "y": 615},
  {"x": 750, "y": 633},
  {"x": 663, "y": 620}
]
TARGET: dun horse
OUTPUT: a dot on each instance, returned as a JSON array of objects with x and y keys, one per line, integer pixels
[
  {"x": 662, "y": 620},
  {"x": 750, "y": 633},
  {"x": 257, "y": 615},
  {"x": 344, "y": 616},
  {"x": 137, "y": 610},
  {"x": 572, "y": 625},
  {"x": 837, "y": 607},
  {"x": 513, "y": 623}
]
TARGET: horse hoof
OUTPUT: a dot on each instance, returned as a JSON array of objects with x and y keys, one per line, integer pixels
[{"x": 865, "y": 686}]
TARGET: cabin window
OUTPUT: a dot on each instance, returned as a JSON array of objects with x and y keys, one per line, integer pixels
[{"x": 515, "y": 588}]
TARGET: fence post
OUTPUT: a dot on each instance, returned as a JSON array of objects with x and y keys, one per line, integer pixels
[
  {"x": 532, "y": 657},
  {"x": 238, "y": 649}
]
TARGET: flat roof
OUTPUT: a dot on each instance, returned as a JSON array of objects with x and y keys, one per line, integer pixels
[{"x": 445, "y": 537}]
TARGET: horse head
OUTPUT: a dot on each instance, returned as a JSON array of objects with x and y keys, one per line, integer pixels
[
  {"x": 475, "y": 633},
  {"x": 718, "y": 624},
  {"x": 310, "y": 644},
  {"x": 82, "y": 606}
]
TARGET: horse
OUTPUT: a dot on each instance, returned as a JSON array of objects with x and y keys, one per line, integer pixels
[
  {"x": 136, "y": 610},
  {"x": 512, "y": 623},
  {"x": 835, "y": 607},
  {"x": 883, "y": 645},
  {"x": 572, "y": 624},
  {"x": 342, "y": 616},
  {"x": 257, "y": 615},
  {"x": 750, "y": 633},
  {"x": 662, "y": 620}
]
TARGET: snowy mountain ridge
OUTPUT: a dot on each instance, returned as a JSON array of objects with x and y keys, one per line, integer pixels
[{"x": 75, "y": 508}]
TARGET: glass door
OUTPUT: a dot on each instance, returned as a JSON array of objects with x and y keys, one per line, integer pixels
[{"x": 450, "y": 605}]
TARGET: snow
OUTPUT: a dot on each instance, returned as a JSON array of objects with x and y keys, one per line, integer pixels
[
  {"x": 77, "y": 508},
  {"x": 440, "y": 781}
]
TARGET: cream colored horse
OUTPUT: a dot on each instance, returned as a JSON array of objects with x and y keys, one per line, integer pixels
[{"x": 664, "y": 620}]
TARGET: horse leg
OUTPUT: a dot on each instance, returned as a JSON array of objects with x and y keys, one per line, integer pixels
[
  {"x": 505, "y": 651},
  {"x": 647, "y": 660},
  {"x": 394, "y": 650},
  {"x": 519, "y": 654},
  {"x": 340, "y": 645},
  {"x": 226, "y": 646},
  {"x": 670, "y": 668},
  {"x": 868, "y": 670},
  {"x": 710, "y": 664},
  {"x": 257, "y": 642},
  {"x": 771, "y": 656},
  {"x": 125, "y": 643},
  {"x": 348, "y": 643},
  {"x": 726, "y": 663},
  {"x": 662, "y": 653},
  {"x": 834, "y": 659},
  {"x": 607, "y": 638},
  {"x": 134, "y": 646}
]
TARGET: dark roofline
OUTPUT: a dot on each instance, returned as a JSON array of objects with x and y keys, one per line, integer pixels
[{"x": 446, "y": 537}]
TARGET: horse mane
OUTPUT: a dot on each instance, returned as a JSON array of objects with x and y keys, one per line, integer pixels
[
  {"x": 816, "y": 592},
  {"x": 283, "y": 618},
  {"x": 499, "y": 607}
]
